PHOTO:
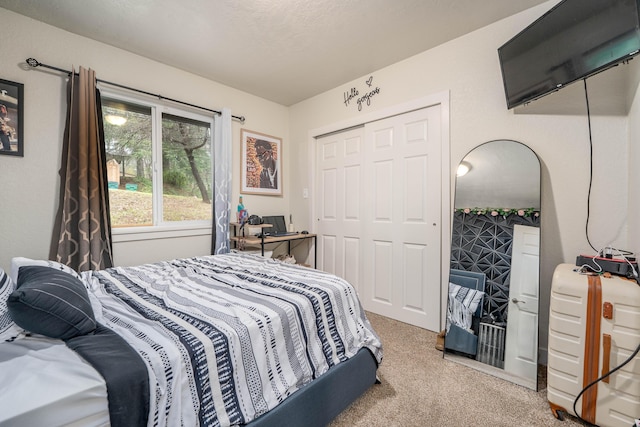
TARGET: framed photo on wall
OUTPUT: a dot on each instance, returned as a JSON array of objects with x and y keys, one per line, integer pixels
[
  {"x": 11, "y": 118},
  {"x": 261, "y": 166}
]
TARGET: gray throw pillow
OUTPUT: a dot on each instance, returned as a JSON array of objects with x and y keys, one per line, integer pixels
[{"x": 51, "y": 303}]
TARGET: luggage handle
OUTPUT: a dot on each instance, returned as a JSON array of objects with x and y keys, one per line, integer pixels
[{"x": 606, "y": 356}]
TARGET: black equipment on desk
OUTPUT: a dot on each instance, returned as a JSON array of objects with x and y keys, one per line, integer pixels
[
  {"x": 278, "y": 228},
  {"x": 254, "y": 220}
]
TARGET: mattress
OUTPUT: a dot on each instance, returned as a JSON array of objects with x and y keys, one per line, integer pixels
[{"x": 44, "y": 383}]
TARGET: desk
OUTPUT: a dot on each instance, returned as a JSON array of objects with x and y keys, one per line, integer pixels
[{"x": 265, "y": 240}]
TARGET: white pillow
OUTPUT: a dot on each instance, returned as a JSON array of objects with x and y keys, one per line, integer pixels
[
  {"x": 470, "y": 298},
  {"x": 463, "y": 303},
  {"x": 8, "y": 329},
  {"x": 18, "y": 262}
]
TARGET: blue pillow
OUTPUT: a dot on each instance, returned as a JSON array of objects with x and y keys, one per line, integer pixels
[{"x": 51, "y": 303}]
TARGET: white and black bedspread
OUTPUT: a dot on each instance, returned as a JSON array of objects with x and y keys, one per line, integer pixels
[{"x": 226, "y": 338}]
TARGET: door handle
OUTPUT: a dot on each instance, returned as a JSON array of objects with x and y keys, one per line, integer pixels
[{"x": 517, "y": 301}]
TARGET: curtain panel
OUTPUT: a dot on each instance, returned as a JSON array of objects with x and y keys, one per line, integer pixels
[
  {"x": 222, "y": 158},
  {"x": 82, "y": 231}
]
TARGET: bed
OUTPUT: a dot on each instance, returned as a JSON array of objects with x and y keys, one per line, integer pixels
[
  {"x": 213, "y": 341},
  {"x": 464, "y": 310}
]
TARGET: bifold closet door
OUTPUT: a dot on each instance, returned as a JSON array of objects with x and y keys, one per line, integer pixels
[
  {"x": 378, "y": 207},
  {"x": 339, "y": 206}
]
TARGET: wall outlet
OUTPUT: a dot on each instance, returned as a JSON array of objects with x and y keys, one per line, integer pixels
[{"x": 305, "y": 193}]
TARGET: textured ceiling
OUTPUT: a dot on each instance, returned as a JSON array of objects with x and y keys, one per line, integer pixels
[{"x": 282, "y": 50}]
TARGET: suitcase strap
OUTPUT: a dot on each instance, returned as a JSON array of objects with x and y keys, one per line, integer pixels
[
  {"x": 606, "y": 357},
  {"x": 592, "y": 349}
]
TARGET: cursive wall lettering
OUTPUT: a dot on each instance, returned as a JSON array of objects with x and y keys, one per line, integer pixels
[
  {"x": 366, "y": 99},
  {"x": 348, "y": 96},
  {"x": 354, "y": 95}
]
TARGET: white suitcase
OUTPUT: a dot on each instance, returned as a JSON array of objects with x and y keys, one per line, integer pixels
[{"x": 594, "y": 326}]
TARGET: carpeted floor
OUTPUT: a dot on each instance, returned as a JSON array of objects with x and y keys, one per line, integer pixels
[{"x": 420, "y": 388}]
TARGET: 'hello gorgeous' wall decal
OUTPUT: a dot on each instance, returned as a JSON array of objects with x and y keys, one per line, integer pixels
[{"x": 354, "y": 95}]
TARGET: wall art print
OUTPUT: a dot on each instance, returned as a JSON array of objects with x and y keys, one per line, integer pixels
[
  {"x": 11, "y": 118},
  {"x": 261, "y": 164}
]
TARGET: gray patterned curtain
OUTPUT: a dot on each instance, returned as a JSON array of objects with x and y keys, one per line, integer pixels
[
  {"x": 82, "y": 231},
  {"x": 222, "y": 183}
]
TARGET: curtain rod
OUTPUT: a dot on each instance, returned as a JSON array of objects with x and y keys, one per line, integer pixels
[{"x": 34, "y": 63}]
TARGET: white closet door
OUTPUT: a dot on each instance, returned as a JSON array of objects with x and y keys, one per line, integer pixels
[
  {"x": 339, "y": 213},
  {"x": 378, "y": 212}
]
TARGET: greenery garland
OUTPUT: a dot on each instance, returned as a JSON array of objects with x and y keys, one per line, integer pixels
[{"x": 525, "y": 212}]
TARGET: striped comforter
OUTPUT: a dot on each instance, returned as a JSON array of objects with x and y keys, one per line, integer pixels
[{"x": 226, "y": 338}]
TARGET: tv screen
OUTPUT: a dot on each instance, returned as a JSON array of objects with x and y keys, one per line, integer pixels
[{"x": 573, "y": 40}]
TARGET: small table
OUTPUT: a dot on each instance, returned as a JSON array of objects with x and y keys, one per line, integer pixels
[{"x": 265, "y": 240}]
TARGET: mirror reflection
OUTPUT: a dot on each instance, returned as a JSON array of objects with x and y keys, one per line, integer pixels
[{"x": 492, "y": 309}]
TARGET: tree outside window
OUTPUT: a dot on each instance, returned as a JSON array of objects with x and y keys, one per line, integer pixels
[{"x": 157, "y": 175}]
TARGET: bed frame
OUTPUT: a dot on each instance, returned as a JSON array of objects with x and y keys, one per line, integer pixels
[
  {"x": 319, "y": 402},
  {"x": 458, "y": 339}
]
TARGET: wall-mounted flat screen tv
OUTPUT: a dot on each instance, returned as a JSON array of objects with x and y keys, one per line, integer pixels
[{"x": 572, "y": 41}]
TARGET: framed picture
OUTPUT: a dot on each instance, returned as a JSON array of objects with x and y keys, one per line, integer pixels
[
  {"x": 11, "y": 118},
  {"x": 261, "y": 164}
]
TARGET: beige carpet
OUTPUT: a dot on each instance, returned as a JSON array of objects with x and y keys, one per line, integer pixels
[{"x": 420, "y": 388}]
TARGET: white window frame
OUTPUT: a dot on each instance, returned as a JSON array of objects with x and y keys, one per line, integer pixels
[{"x": 161, "y": 229}]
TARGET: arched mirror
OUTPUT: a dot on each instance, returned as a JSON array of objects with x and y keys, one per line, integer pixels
[{"x": 492, "y": 308}]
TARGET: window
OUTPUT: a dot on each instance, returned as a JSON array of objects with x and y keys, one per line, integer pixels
[{"x": 159, "y": 163}]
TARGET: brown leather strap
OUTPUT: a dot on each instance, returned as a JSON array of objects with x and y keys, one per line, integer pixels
[
  {"x": 606, "y": 356},
  {"x": 592, "y": 349},
  {"x": 607, "y": 310}
]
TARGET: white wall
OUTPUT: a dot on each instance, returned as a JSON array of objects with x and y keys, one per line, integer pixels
[
  {"x": 29, "y": 186},
  {"x": 634, "y": 175},
  {"x": 468, "y": 67}
]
